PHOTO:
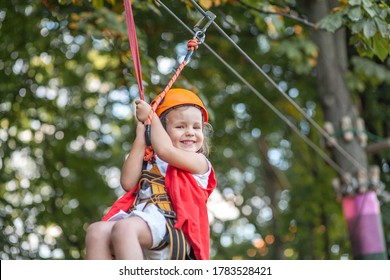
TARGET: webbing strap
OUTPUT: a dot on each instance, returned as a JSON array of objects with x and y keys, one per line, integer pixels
[
  {"x": 177, "y": 241},
  {"x": 134, "y": 46},
  {"x": 174, "y": 238}
]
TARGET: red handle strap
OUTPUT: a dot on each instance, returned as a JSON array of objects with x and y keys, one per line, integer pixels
[{"x": 134, "y": 46}]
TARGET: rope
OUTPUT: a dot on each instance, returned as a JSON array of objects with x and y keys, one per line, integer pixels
[
  {"x": 192, "y": 45},
  {"x": 134, "y": 46}
]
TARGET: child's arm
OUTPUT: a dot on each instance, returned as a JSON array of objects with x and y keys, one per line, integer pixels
[
  {"x": 131, "y": 170},
  {"x": 194, "y": 163}
]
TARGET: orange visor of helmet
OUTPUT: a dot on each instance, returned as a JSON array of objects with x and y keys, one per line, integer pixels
[{"x": 177, "y": 97}]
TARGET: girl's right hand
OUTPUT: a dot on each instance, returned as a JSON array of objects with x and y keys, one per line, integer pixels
[{"x": 142, "y": 110}]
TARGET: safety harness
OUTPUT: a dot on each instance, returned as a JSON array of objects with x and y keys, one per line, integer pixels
[{"x": 174, "y": 238}]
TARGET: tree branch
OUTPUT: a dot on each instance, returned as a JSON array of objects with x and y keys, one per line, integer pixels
[{"x": 288, "y": 15}]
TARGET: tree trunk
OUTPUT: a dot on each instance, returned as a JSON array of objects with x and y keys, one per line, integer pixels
[
  {"x": 361, "y": 210},
  {"x": 274, "y": 182},
  {"x": 332, "y": 87}
]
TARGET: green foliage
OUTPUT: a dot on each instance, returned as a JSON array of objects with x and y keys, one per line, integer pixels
[
  {"x": 61, "y": 142},
  {"x": 67, "y": 87},
  {"x": 370, "y": 72},
  {"x": 369, "y": 24}
]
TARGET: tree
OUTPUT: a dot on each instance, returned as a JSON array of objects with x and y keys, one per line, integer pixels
[{"x": 343, "y": 114}]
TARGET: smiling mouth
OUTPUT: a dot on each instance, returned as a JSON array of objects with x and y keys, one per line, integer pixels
[{"x": 188, "y": 142}]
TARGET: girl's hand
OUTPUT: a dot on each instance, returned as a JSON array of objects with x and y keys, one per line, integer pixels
[{"x": 142, "y": 110}]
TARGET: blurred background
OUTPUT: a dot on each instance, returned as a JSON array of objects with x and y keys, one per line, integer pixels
[{"x": 285, "y": 189}]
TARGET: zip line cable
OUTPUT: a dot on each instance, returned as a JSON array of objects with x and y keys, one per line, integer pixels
[
  {"x": 320, "y": 152},
  {"x": 270, "y": 80},
  {"x": 323, "y": 155}
]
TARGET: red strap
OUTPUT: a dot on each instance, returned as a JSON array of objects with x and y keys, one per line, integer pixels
[{"x": 134, "y": 46}]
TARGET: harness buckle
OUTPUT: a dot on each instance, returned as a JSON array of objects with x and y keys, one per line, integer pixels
[{"x": 200, "y": 32}]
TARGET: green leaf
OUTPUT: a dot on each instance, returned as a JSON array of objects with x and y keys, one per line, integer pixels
[
  {"x": 382, "y": 26},
  {"x": 355, "y": 14},
  {"x": 98, "y": 4},
  {"x": 354, "y": 40},
  {"x": 367, "y": 3},
  {"x": 357, "y": 27},
  {"x": 381, "y": 47},
  {"x": 331, "y": 22},
  {"x": 369, "y": 28},
  {"x": 370, "y": 11},
  {"x": 362, "y": 46},
  {"x": 383, "y": 14},
  {"x": 370, "y": 70},
  {"x": 354, "y": 2}
]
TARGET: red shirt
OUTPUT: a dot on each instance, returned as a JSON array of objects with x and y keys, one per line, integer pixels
[{"x": 189, "y": 202}]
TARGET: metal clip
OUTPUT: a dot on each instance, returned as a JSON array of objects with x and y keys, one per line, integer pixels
[{"x": 200, "y": 33}]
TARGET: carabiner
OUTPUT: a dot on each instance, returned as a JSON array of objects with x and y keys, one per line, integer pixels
[{"x": 200, "y": 32}]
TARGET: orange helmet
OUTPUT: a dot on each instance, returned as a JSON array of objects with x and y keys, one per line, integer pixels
[{"x": 178, "y": 96}]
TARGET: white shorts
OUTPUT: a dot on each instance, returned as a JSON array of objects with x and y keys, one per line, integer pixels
[{"x": 157, "y": 225}]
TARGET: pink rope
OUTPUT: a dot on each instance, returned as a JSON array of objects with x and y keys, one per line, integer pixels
[{"x": 134, "y": 46}]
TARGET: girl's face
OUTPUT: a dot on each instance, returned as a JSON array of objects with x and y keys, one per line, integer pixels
[{"x": 185, "y": 128}]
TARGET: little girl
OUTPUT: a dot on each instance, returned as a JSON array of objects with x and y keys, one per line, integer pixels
[{"x": 163, "y": 215}]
